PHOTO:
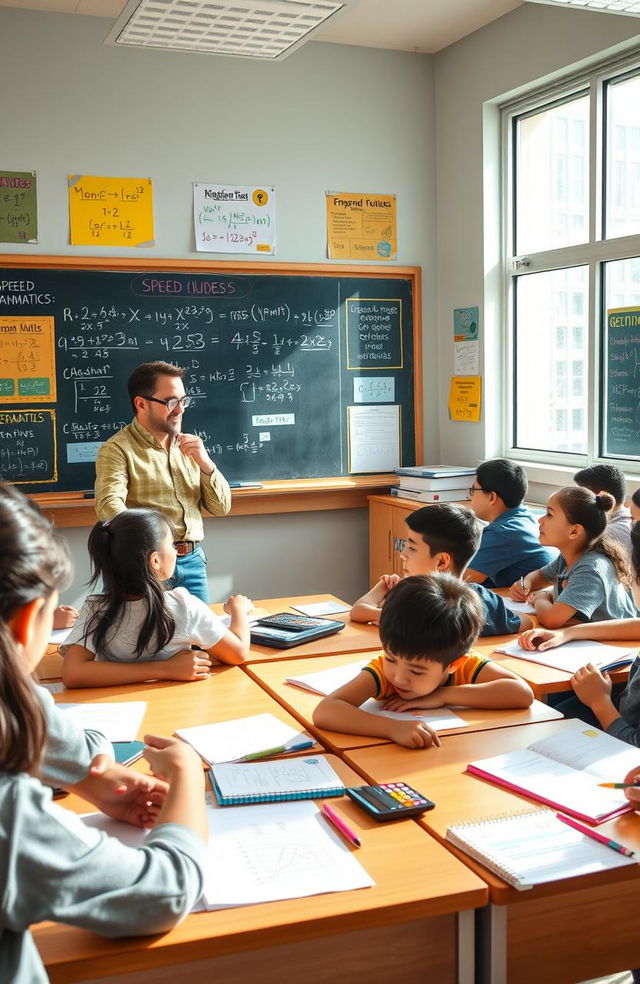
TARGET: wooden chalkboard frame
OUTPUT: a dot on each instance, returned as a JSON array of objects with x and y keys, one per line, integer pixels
[{"x": 70, "y": 509}]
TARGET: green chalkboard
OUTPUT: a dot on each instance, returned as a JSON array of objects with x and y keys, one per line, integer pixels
[
  {"x": 276, "y": 358},
  {"x": 621, "y": 384}
]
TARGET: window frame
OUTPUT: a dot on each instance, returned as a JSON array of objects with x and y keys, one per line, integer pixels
[{"x": 593, "y": 255}]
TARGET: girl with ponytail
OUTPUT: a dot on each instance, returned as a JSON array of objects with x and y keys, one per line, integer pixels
[
  {"x": 52, "y": 866},
  {"x": 590, "y": 579},
  {"x": 135, "y": 630}
]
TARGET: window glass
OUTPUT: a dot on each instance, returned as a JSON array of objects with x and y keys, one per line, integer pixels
[{"x": 622, "y": 195}]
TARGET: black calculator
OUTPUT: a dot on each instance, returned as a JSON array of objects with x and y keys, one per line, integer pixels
[
  {"x": 291, "y": 622},
  {"x": 390, "y": 801}
]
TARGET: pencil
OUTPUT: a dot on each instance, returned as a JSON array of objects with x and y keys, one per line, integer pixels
[
  {"x": 619, "y": 785},
  {"x": 594, "y": 835}
]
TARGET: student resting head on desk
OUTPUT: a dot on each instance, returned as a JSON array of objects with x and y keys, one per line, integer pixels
[
  {"x": 442, "y": 537},
  {"x": 52, "y": 866},
  {"x": 590, "y": 579},
  {"x": 596, "y": 702},
  {"x": 427, "y": 626},
  {"x": 137, "y": 631}
]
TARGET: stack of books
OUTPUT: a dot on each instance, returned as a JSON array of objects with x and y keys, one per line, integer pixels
[{"x": 434, "y": 483}]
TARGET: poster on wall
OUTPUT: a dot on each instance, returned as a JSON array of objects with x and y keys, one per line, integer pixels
[
  {"x": 361, "y": 226},
  {"x": 110, "y": 211},
  {"x": 234, "y": 218},
  {"x": 18, "y": 207},
  {"x": 464, "y": 398}
]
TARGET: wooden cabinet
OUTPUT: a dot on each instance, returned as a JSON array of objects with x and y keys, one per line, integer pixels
[{"x": 387, "y": 531}]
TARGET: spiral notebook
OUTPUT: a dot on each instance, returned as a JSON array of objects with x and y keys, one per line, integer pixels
[
  {"x": 269, "y": 782},
  {"x": 532, "y": 848}
]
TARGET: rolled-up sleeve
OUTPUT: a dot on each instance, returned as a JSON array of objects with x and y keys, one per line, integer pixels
[
  {"x": 215, "y": 493},
  {"x": 112, "y": 481}
]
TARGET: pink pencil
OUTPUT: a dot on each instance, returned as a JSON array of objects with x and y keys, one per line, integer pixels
[
  {"x": 620, "y": 848},
  {"x": 340, "y": 825}
]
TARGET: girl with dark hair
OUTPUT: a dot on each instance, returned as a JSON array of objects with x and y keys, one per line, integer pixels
[
  {"x": 589, "y": 580},
  {"x": 135, "y": 630},
  {"x": 52, "y": 866}
]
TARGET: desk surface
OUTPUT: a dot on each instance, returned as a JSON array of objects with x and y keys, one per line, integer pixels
[
  {"x": 439, "y": 773},
  {"x": 228, "y": 693},
  {"x": 415, "y": 878},
  {"x": 355, "y": 637},
  {"x": 301, "y": 703}
]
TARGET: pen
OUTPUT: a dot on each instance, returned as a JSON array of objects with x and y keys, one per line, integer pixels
[
  {"x": 619, "y": 785},
  {"x": 620, "y": 848},
  {"x": 280, "y": 750},
  {"x": 522, "y": 585},
  {"x": 340, "y": 825}
]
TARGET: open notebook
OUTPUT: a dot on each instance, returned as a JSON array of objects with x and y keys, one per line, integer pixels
[
  {"x": 532, "y": 848},
  {"x": 231, "y": 741},
  {"x": 572, "y": 655},
  {"x": 564, "y": 770},
  {"x": 268, "y": 782},
  {"x": 264, "y": 853}
]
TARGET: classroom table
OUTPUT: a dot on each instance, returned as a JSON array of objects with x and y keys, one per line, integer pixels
[
  {"x": 228, "y": 693},
  {"x": 543, "y": 680},
  {"x": 50, "y": 666},
  {"x": 301, "y": 703},
  {"x": 355, "y": 637},
  {"x": 418, "y": 915},
  {"x": 564, "y": 932}
]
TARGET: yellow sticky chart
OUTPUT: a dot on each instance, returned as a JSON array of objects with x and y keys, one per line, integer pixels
[
  {"x": 361, "y": 227},
  {"x": 27, "y": 360},
  {"x": 464, "y": 398},
  {"x": 110, "y": 211}
]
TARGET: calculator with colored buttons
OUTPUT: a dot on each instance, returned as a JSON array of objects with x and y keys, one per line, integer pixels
[
  {"x": 291, "y": 622},
  {"x": 390, "y": 801}
]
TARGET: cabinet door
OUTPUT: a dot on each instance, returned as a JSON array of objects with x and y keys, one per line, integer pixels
[
  {"x": 398, "y": 534},
  {"x": 380, "y": 540}
]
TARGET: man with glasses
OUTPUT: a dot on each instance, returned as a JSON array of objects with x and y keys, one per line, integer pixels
[
  {"x": 152, "y": 464},
  {"x": 509, "y": 547}
]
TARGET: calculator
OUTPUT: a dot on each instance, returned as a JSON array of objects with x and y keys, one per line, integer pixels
[
  {"x": 291, "y": 622},
  {"x": 390, "y": 801}
]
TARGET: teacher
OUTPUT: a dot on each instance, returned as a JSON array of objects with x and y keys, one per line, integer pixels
[{"x": 150, "y": 463}]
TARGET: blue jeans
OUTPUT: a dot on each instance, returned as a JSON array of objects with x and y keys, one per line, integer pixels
[{"x": 191, "y": 573}]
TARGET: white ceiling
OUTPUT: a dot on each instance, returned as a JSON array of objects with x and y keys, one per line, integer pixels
[{"x": 408, "y": 25}]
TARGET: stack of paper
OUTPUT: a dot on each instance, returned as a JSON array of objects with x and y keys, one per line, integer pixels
[
  {"x": 326, "y": 681},
  {"x": 230, "y": 741},
  {"x": 572, "y": 655},
  {"x": 117, "y": 722}
]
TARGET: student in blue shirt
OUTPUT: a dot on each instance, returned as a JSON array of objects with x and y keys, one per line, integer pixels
[
  {"x": 442, "y": 537},
  {"x": 510, "y": 547}
]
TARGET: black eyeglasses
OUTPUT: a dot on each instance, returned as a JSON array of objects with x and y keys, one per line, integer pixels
[
  {"x": 172, "y": 402},
  {"x": 476, "y": 489}
]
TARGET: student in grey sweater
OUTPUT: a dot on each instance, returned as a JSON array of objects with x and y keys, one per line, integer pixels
[
  {"x": 614, "y": 709},
  {"x": 52, "y": 866}
]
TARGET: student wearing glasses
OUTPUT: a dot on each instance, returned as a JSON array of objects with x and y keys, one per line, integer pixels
[
  {"x": 150, "y": 463},
  {"x": 509, "y": 547}
]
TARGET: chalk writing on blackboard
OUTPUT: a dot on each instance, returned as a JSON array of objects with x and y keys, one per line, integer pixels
[
  {"x": 28, "y": 452},
  {"x": 27, "y": 360}
]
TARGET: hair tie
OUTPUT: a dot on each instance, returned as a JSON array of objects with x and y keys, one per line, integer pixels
[
  {"x": 601, "y": 503},
  {"x": 104, "y": 526}
]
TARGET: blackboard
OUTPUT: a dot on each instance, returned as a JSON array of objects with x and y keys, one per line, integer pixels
[
  {"x": 621, "y": 396},
  {"x": 276, "y": 360}
]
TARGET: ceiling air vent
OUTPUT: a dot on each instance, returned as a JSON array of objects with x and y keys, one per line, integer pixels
[{"x": 246, "y": 29}]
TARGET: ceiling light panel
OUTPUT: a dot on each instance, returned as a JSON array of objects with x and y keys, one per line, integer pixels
[
  {"x": 629, "y": 7},
  {"x": 244, "y": 29}
]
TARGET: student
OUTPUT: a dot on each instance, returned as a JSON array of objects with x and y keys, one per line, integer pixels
[
  {"x": 609, "y": 478},
  {"x": 51, "y": 865},
  {"x": 634, "y": 507},
  {"x": 615, "y": 710},
  {"x": 427, "y": 626},
  {"x": 136, "y": 630},
  {"x": 442, "y": 537},
  {"x": 591, "y": 576},
  {"x": 509, "y": 547}
]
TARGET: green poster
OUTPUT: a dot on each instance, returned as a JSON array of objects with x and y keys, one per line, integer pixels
[{"x": 18, "y": 207}]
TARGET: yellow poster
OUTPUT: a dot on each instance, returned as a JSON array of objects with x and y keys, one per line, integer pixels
[
  {"x": 110, "y": 211},
  {"x": 464, "y": 398},
  {"x": 27, "y": 360},
  {"x": 361, "y": 227}
]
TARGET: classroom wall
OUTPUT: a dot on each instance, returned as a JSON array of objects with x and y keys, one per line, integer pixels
[
  {"x": 531, "y": 43},
  {"x": 330, "y": 117}
]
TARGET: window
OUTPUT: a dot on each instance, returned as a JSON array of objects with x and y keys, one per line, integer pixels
[{"x": 572, "y": 214}]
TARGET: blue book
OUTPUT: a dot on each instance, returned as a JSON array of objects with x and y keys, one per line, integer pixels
[{"x": 270, "y": 782}]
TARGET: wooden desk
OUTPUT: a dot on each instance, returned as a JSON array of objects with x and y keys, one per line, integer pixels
[
  {"x": 301, "y": 703},
  {"x": 228, "y": 693},
  {"x": 355, "y": 637},
  {"x": 543, "y": 680},
  {"x": 564, "y": 932},
  {"x": 50, "y": 666},
  {"x": 418, "y": 915}
]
